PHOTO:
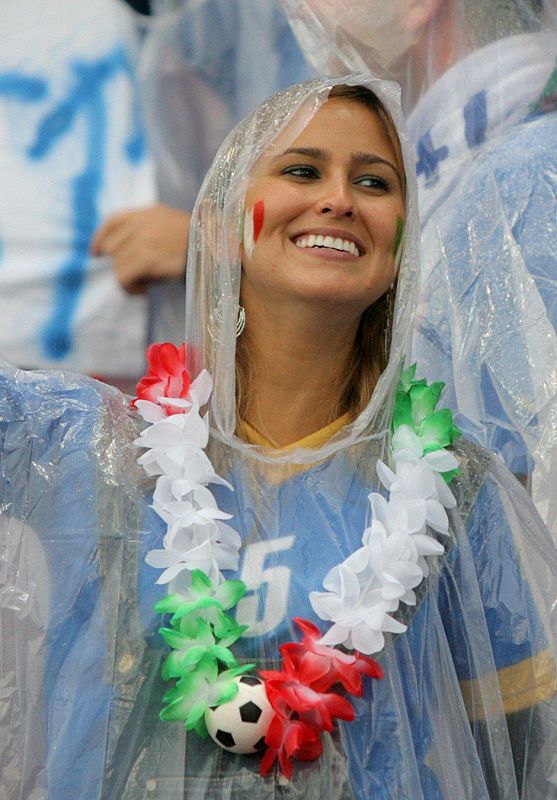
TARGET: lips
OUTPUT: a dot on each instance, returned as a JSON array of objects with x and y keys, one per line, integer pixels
[{"x": 329, "y": 240}]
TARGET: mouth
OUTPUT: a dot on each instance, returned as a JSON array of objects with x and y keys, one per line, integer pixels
[{"x": 328, "y": 241}]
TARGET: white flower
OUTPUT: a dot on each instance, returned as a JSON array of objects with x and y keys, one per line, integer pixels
[
  {"x": 190, "y": 429},
  {"x": 181, "y": 499},
  {"x": 396, "y": 514},
  {"x": 210, "y": 548},
  {"x": 419, "y": 486},
  {"x": 394, "y": 561},
  {"x": 359, "y": 617},
  {"x": 407, "y": 447}
]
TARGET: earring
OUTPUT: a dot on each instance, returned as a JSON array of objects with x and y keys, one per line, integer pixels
[
  {"x": 240, "y": 321},
  {"x": 215, "y": 322}
]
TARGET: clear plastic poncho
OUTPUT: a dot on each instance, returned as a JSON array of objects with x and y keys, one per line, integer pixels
[
  {"x": 479, "y": 91},
  {"x": 467, "y": 706}
]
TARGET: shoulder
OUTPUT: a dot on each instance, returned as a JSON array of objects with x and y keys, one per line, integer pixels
[
  {"x": 526, "y": 153},
  {"x": 59, "y": 430},
  {"x": 531, "y": 144}
]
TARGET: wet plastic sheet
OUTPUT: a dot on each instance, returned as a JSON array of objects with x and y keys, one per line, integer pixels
[
  {"x": 80, "y": 657},
  {"x": 468, "y": 704}
]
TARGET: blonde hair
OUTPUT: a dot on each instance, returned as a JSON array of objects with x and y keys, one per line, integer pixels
[{"x": 373, "y": 338}]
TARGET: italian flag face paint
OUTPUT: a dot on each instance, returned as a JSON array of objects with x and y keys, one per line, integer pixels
[{"x": 253, "y": 222}]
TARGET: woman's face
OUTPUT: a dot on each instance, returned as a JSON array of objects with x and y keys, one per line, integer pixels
[{"x": 322, "y": 213}]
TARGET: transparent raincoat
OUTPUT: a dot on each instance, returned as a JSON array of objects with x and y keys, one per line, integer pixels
[
  {"x": 479, "y": 92},
  {"x": 467, "y": 706}
]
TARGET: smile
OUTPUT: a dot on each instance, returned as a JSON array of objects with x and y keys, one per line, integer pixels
[{"x": 328, "y": 242}]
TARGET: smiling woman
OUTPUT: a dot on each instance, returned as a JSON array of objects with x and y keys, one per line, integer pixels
[
  {"x": 321, "y": 515},
  {"x": 303, "y": 413},
  {"x": 331, "y": 206}
]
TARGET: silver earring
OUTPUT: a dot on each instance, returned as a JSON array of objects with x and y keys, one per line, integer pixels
[
  {"x": 215, "y": 321},
  {"x": 240, "y": 321}
]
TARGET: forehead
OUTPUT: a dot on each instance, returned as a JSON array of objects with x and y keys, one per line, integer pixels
[{"x": 341, "y": 126}]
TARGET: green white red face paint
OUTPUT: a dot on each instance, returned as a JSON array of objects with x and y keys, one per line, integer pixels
[{"x": 253, "y": 223}]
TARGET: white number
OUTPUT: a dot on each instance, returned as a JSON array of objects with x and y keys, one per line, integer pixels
[{"x": 258, "y": 575}]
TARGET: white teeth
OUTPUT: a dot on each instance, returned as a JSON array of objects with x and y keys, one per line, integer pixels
[{"x": 317, "y": 240}]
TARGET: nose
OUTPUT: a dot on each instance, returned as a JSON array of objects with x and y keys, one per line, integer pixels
[{"x": 336, "y": 200}]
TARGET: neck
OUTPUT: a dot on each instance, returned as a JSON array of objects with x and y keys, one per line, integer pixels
[{"x": 297, "y": 357}]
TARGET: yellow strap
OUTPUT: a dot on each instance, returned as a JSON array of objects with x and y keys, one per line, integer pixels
[{"x": 521, "y": 686}]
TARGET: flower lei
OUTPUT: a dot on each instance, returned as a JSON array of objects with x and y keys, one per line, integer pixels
[{"x": 361, "y": 594}]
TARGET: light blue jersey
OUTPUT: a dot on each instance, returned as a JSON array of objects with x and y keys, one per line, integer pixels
[{"x": 67, "y": 476}]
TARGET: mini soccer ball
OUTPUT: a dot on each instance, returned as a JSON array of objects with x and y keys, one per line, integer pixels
[{"x": 240, "y": 725}]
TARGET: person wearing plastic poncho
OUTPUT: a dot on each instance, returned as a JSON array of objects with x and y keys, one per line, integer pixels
[
  {"x": 80, "y": 660},
  {"x": 479, "y": 92},
  {"x": 73, "y": 149}
]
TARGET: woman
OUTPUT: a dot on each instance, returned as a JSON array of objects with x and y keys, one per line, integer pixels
[{"x": 301, "y": 220}]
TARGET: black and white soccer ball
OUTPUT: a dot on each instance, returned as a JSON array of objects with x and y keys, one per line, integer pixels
[{"x": 240, "y": 725}]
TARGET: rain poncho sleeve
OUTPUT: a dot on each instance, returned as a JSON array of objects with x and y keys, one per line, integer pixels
[{"x": 467, "y": 704}]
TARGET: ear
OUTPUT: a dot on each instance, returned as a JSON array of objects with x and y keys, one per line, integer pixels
[{"x": 419, "y": 12}]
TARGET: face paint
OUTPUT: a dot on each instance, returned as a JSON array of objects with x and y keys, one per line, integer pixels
[
  {"x": 397, "y": 249},
  {"x": 253, "y": 223}
]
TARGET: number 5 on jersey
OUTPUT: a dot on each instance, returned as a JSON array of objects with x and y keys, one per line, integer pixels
[{"x": 265, "y": 604}]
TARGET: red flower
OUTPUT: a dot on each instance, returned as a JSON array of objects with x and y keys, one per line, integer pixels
[
  {"x": 319, "y": 666},
  {"x": 289, "y": 738},
  {"x": 299, "y": 696},
  {"x": 288, "y": 695},
  {"x": 167, "y": 376}
]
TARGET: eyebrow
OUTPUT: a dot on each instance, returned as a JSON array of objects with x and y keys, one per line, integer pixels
[{"x": 358, "y": 159}]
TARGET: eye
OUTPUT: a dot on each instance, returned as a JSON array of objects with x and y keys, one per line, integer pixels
[
  {"x": 373, "y": 182},
  {"x": 302, "y": 171}
]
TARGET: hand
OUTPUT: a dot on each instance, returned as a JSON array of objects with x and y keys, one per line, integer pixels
[{"x": 145, "y": 245}]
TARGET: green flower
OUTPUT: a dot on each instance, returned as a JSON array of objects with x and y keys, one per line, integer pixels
[
  {"x": 437, "y": 430},
  {"x": 205, "y": 602},
  {"x": 415, "y": 406},
  {"x": 194, "y": 642},
  {"x": 199, "y": 690},
  {"x": 407, "y": 379}
]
